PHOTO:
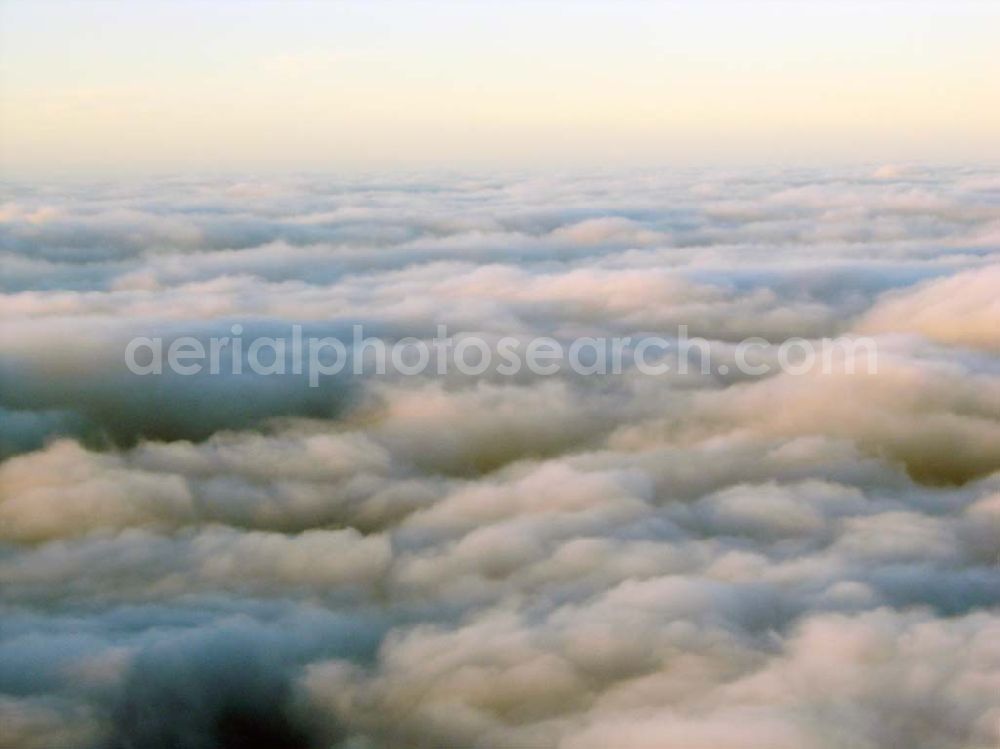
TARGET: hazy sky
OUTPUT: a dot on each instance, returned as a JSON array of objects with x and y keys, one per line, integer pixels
[{"x": 95, "y": 86}]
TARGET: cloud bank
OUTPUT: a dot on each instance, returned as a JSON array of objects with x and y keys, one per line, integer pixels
[{"x": 699, "y": 561}]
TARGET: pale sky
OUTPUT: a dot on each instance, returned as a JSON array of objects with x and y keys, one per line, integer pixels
[{"x": 171, "y": 86}]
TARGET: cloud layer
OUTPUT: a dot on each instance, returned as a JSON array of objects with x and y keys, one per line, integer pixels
[{"x": 688, "y": 560}]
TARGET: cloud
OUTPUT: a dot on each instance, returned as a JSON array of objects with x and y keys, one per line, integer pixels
[
  {"x": 687, "y": 560},
  {"x": 960, "y": 310}
]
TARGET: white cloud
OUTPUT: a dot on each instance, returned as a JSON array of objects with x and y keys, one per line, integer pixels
[{"x": 687, "y": 561}]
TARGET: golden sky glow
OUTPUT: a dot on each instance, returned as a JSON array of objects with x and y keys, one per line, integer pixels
[{"x": 94, "y": 86}]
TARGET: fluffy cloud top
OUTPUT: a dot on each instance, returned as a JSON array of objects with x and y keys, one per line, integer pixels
[{"x": 691, "y": 560}]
